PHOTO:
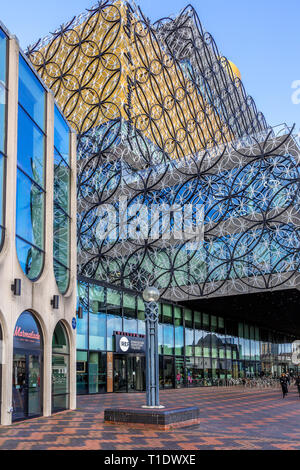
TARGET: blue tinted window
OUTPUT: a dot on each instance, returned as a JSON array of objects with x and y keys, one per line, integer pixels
[
  {"x": 30, "y": 208},
  {"x": 3, "y": 43},
  {"x": 30, "y": 211},
  {"x": 3, "y": 47},
  {"x": 2, "y": 116},
  {"x": 61, "y": 135},
  {"x": 31, "y": 259},
  {"x": 61, "y": 227},
  {"x": 31, "y": 94},
  {"x": 30, "y": 148},
  {"x": 61, "y": 237},
  {"x": 1, "y": 190},
  {"x": 82, "y": 323},
  {"x": 61, "y": 183}
]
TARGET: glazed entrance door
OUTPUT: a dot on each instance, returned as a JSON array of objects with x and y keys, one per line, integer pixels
[
  {"x": 136, "y": 373},
  {"x": 129, "y": 373},
  {"x": 34, "y": 385},
  {"x": 19, "y": 397},
  {"x": 27, "y": 399},
  {"x": 120, "y": 374}
]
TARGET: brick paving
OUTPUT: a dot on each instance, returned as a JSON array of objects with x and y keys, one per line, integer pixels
[{"x": 231, "y": 418}]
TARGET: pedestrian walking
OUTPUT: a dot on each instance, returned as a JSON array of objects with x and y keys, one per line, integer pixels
[{"x": 284, "y": 385}]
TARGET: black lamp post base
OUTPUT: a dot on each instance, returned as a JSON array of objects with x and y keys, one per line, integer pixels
[{"x": 160, "y": 419}]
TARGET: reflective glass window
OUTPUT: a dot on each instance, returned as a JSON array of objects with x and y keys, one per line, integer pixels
[
  {"x": 97, "y": 318},
  {"x": 179, "y": 332},
  {"x": 30, "y": 208},
  {"x": 3, "y": 49},
  {"x": 82, "y": 323},
  {"x": 141, "y": 316},
  {"x": 3, "y": 94},
  {"x": 60, "y": 369},
  {"x": 31, "y": 94},
  {"x": 2, "y": 167},
  {"x": 30, "y": 211},
  {"x": 167, "y": 315},
  {"x": 30, "y": 148},
  {"x": 62, "y": 220},
  {"x": 168, "y": 339},
  {"x": 114, "y": 316},
  {"x": 129, "y": 313},
  {"x": 189, "y": 342},
  {"x": 82, "y": 372},
  {"x": 97, "y": 372}
]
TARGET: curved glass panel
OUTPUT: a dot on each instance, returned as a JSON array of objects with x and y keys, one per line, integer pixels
[
  {"x": 60, "y": 343},
  {"x": 61, "y": 228},
  {"x": 31, "y": 173},
  {"x": 3, "y": 93},
  {"x": 60, "y": 369}
]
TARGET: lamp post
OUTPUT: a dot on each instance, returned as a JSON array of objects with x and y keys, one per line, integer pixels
[{"x": 151, "y": 296}]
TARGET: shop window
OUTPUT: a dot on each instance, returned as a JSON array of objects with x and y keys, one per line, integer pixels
[
  {"x": 60, "y": 369},
  {"x": 97, "y": 372},
  {"x": 179, "y": 331},
  {"x": 179, "y": 372},
  {"x": 82, "y": 372},
  {"x": 27, "y": 386}
]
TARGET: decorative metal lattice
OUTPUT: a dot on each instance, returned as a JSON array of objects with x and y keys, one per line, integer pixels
[{"x": 163, "y": 120}]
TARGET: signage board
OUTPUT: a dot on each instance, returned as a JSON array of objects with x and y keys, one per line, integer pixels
[
  {"x": 26, "y": 333},
  {"x": 130, "y": 343}
]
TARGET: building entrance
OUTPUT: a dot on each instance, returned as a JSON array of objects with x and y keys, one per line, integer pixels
[
  {"x": 27, "y": 387},
  {"x": 129, "y": 373}
]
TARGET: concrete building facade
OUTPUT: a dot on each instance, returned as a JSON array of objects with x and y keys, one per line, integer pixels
[{"x": 38, "y": 249}]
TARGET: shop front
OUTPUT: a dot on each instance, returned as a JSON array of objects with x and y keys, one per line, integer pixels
[
  {"x": 27, "y": 381},
  {"x": 129, "y": 368}
]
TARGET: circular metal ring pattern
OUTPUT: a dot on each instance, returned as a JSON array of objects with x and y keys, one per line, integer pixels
[{"x": 164, "y": 121}]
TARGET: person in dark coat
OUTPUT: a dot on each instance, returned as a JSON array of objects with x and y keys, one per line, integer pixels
[
  {"x": 297, "y": 383},
  {"x": 284, "y": 385}
]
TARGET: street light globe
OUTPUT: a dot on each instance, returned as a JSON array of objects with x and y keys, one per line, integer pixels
[{"x": 151, "y": 294}]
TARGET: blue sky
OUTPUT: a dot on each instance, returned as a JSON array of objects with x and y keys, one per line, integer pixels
[{"x": 262, "y": 37}]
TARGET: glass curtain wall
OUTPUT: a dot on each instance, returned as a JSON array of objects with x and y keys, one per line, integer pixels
[
  {"x": 3, "y": 96},
  {"x": 62, "y": 220},
  {"x": 196, "y": 348},
  {"x": 30, "y": 173}
]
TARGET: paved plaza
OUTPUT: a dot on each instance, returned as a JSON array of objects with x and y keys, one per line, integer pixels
[{"x": 231, "y": 418}]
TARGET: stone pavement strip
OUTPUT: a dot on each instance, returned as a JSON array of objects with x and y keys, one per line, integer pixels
[{"x": 231, "y": 418}]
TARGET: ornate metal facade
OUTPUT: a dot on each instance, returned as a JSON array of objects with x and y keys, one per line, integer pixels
[{"x": 163, "y": 119}]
